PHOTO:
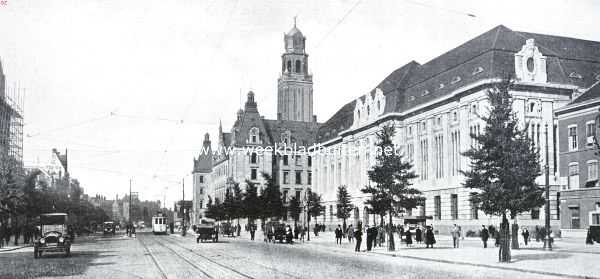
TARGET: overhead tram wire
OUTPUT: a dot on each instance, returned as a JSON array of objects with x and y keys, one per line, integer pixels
[
  {"x": 190, "y": 104},
  {"x": 340, "y": 21}
]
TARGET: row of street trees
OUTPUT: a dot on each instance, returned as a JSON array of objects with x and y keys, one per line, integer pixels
[
  {"x": 260, "y": 204},
  {"x": 24, "y": 197}
]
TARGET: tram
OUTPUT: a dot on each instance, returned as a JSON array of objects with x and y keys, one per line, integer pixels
[{"x": 159, "y": 224}]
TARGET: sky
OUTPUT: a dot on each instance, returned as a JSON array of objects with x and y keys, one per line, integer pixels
[{"x": 131, "y": 87}]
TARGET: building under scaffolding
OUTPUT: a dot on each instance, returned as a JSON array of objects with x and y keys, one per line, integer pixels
[{"x": 11, "y": 127}]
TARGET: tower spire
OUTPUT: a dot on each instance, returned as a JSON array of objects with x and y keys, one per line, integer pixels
[{"x": 295, "y": 20}]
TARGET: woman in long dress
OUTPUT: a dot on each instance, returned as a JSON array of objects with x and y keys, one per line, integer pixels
[{"x": 408, "y": 238}]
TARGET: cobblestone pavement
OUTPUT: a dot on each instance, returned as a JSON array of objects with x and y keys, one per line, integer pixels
[{"x": 173, "y": 256}]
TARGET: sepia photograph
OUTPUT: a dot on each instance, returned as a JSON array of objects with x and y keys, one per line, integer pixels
[{"x": 299, "y": 139}]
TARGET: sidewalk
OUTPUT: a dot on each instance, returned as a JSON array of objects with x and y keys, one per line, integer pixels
[
  {"x": 13, "y": 248},
  {"x": 570, "y": 258}
]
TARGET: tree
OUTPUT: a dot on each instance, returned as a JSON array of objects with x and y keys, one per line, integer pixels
[
  {"x": 251, "y": 202},
  {"x": 294, "y": 209},
  {"x": 271, "y": 197},
  {"x": 315, "y": 207},
  {"x": 228, "y": 209},
  {"x": 344, "y": 206},
  {"x": 392, "y": 177},
  {"x": 503, "y": 165}
]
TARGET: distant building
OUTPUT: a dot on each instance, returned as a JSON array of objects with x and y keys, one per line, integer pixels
[
  {"x": 242, "y": 153},
  {"x": 578, "y": 156},
  {"x": 11, "y": 128}
]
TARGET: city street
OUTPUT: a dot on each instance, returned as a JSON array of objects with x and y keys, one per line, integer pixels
[{"x": 173, "y": 256}]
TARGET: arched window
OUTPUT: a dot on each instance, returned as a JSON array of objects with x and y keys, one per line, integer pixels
[
  {"x": 368, "y": 111},
  {"x": 254, "y": 135},
  {"x": 298, "y": 66},
  {"x": 289, "y": 66},
  {"x": 253, "y": 158},
  {"x": 378, "y": 105}
]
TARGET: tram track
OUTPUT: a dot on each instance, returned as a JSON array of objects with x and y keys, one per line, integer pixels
[
  {"x": 223, "y": 252},
  {"x": 207, "y": 259},
  {"x": 162, "y": 272}
]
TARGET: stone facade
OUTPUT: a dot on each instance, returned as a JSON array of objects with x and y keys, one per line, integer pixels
[{"x": 437, "y": 105}]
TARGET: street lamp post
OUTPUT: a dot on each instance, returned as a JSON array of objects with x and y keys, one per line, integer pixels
[{"x": 547, "y": 242}]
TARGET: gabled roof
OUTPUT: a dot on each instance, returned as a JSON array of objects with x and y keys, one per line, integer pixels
[{"x": 590, "y": 94}]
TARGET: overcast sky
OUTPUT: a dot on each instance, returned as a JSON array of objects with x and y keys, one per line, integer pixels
[{"x": 169, "y": 70}]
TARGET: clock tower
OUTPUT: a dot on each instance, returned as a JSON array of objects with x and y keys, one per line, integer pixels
[{"x": 295, "y": 86}]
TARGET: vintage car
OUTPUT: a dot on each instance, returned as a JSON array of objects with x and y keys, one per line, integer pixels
[
  {"x": 109, "y": 228},
  {"x": 54, "y": 238},
  {"x": 275, "y": 231},
  {"x": 206, "y": 230}
]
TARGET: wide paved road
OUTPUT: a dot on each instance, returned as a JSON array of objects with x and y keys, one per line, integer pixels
[{"x": 171, "y": 256}]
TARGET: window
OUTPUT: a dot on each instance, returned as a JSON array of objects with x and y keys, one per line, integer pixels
[
  {"x": 409, "y": 131},
  {"x": 298, "y": 177},
  {"x": 535, "y": 214},
  {"x": 437, "y": 207},
  {"x": 454, "y": 206},
  {"x": 573, "y": 176},
  {"x": 298, "y": 192},
  {"x": 474, "y": 208},
  {"x": 575, "y": 223},
  {"x": 592, "y": 170},
  {"x": 410, "y": 152},
  {"x": 286, "y": 177},
  {"x": 289, "y": 66},
  {"x": 309, "y": 178},
  {"x": 285, "y": 160},
  {"x": 201, "y": 179},
  {"x": 439, "y": 121},
  {"x": 572, "y": 137},
  {"x": 454, "y": 116},
  {"x": 253, "y": 173},
  {"x": 424, "y": 159},
  {"x": 309, "y": 161},
  {"x": 439, "y": 156},
  {"x": 298, "y": 160},
  {"x": 590, "y": 132},
  {"x": 331, "y": 210},
  {"x": 254, "y": 135},
  {"x": 531, "y": 106},
  {"x": 298, "y": 66},
  {"x": 253, "y": 158}
]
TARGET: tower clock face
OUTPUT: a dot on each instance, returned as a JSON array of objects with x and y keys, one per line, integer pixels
[{"x": 530, "y": 64}]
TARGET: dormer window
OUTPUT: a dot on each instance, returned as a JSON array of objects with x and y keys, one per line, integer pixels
[
  {"x": 455, "y": 80},
  {"x": 425, "y": 93},
  {"x": 254, "y": 135},
  {"x": 575, "y": 75},
  {"x": 477, "y": 70},
  {"x": 378, "y": 105},
  {"x": 441, "y": 85}
]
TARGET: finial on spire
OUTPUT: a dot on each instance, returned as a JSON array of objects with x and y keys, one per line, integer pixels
[{"x": 295, "y": 20}]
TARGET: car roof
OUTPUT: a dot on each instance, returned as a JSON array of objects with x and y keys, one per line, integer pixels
[{"x": 53, "y": 214}]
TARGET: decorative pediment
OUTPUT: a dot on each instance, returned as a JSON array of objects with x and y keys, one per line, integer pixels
[
  {"x": 530, "y": 64},
  {"x": 372, "y": 107}
]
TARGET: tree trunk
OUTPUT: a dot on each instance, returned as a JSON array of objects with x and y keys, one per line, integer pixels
[
  {"x": 504, "y": 251},
  {"x": 344, "y": 224},
  {"x": 391, "y": 245}
]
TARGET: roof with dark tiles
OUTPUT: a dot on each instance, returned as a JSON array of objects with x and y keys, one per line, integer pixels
[{"x": 489, "y": 55}]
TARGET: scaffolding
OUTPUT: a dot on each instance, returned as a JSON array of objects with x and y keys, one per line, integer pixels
[{"x": 11, "y": 128}]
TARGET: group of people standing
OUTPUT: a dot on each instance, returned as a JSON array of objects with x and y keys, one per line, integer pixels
[{"x": 376, "y": 235}]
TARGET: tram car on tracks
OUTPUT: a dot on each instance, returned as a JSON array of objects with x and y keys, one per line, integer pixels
[{"x": 160, "y": 224}]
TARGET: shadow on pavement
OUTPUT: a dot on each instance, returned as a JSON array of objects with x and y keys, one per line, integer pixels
[
  {"x": 23, "y": 265},
  {"x": 541, "y": 256}
]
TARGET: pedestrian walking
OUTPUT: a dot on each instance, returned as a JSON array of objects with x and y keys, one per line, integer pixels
[
  {"x": 338, "y": 235},
  {"x": 296, "y": 232},
  {"x": 350, "y": 233},
  {"x": 418, "y": 235},
  {"x": 302, "y": 234},
  {"x": 380, "y": 236},
  {"x": 484, "y": 235},
  {"x": 239, "y": 229},
  {"x": 400, "y": 232},
  {"x": 525, "y": 235},
  {"x": 408, "y": 238},
  {"x": 455, "y": 232},
  {"x": 537, "y": 234},
  {"x": 369, "y": 238},
  {"x": 252, "y": 228},
  {"x": 358, "y": 237},
  {"x": 429, "y": 237}
]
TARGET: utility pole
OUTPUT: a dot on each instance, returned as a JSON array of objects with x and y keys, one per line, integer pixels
[
  {"x": 548, "y": 242},
  {"x": 183, "y": 207},
  {"x": 129, "y": 211}
]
